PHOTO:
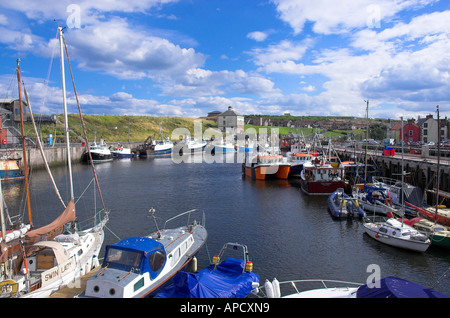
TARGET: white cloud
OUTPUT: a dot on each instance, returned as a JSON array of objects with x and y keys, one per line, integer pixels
[
  {"x": 283, "y": 51},
  {"x": 257, "y": 36},
  {"x": 330, "y": 16}
]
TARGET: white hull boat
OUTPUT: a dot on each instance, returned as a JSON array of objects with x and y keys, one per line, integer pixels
[
  {"x": 395, "y": 233},
  {"x": 139, "y": 267}
]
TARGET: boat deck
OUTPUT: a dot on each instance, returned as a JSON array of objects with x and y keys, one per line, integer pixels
[{"x": 75, "y": 289}]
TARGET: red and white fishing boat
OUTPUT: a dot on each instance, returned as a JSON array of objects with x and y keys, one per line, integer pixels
[{"x": 320, "y": 177}]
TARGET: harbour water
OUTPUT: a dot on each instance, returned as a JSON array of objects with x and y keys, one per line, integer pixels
[{"x": 289, "y": 235}]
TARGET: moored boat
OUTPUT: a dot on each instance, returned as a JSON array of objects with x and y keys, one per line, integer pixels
[
  {"x": 387, "y": 287},
  {"x": 395, "y": 233},
  {"x": 120, "y": 152},
  {"x": 437, "y": 233},
  {"x": 138, "y": 267},
  {"x": 230, "y": 278},
  {"x": 320, "y": 178},
  {"x": 342, "y": 206},
  {"x": 10, "y": 169},
  {"x": 98, "y": 152},
  {"x": 263, "y": 166}
]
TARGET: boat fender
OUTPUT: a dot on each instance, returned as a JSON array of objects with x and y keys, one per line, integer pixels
[
  {"x": 276, "y": 288},
  {"x": 269, "y": 289},
  {"x": 194, "y": 265},
  {"x": 343, "y": 203},
  {"x": 357, "y": 203},
  {"x": 249, "y": 266},
  {"x": 95, "y": 262},
  {"x": 216, "y": 259}
]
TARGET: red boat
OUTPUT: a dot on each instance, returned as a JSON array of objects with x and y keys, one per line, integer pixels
[{"x": 319, "y": 177}]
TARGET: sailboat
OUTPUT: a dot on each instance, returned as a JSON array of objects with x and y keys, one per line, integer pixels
[
  {"x": 396, "y": 233},
  {"x": 54, "y": 255}
]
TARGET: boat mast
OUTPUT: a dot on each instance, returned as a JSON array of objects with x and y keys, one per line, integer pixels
[
  {"x": 25, "y": 167},
  {"x": 66, "y": 122},
  {"x": 367, "y": 141},
  {"x": 438, "y": 164},
  {"x": 403, "y": 174}
]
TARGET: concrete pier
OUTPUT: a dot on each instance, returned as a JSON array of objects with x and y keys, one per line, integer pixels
[{"x": 421, "y": 168}]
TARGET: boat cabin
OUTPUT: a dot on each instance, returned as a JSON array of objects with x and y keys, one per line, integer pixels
[{"x": 137, "y": 254}]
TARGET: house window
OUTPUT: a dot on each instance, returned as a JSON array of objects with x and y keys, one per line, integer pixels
[
  {"x": 410, "y": 132},
  {"x": 425, "y": 125},
  {"x": 425, "y": 132}
]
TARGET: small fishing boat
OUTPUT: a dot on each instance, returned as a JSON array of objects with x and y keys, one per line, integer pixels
[
  {"x": 320, "y": 177},
  {"x": 138, "y": 267},
  {"x": 119, "y": 152},
  {"x": 437, "y": 233},
  {"x": 263, "y": 166},
  {"x": 296, "y": 160},
  {"x": 99, "y": 153},
  {"x": 10, "y": 169},
  {"x": 396, "y": 233},
  {"x": 388, "y": 287},
  {"x": 231, "y": 278},
  {"x": 342, "y": 206}
]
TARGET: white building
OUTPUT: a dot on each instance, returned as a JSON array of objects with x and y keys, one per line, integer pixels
[{"x": 231, "y": 122}]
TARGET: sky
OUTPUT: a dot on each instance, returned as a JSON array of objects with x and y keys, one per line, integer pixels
[{"x": 190, "y": 57}]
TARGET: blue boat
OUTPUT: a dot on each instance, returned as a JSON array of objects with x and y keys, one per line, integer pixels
[
  {"x": 232, "y": 278},
  {"x": 342, "y": 206},
  {"x": 119, "y": 152},
  {"x": 140, "y": 266}
]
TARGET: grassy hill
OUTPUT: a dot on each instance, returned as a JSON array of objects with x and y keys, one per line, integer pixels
[{"x": 114, "y": 128}]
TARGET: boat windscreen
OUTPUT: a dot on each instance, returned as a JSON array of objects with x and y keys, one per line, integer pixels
[{"x": 123, "y": 257}]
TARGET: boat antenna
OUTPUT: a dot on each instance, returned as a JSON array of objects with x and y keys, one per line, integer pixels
[{"x": 152, "y": 212}]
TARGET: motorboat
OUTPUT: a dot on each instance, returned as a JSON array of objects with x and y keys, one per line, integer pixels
[
  {"x": 296, "y": 160},
  {"x": 230, "y": 278},
  {"x": 396, "y": 233},
  {"x": 387, "y": 287},
  {"x": 320, "y": 177},
  {"x": 10, "y": 169},
  {"x": 120, "y": 152},
  {"x": 437, "y": 233},
  {"x": 342, "y": 206},
  {"x": 140, "y": 266},
  {"x": 98, "y": 152},
  {"x": 265, "y": 165}
]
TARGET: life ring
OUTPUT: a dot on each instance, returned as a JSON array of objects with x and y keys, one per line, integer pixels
[{"x": 388, "y": 201}]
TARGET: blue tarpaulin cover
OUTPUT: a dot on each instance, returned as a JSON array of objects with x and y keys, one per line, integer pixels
[
  {"x": 393, "y": 287},
  {"x": 228, "y": 280}
]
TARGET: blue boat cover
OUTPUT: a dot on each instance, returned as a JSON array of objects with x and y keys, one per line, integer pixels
[
  {"x": 227, "y": 281},
  {"x": 393, "y": 287}
]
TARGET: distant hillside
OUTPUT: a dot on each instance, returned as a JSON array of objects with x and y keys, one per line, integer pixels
[{"x": 114, "y": 128}]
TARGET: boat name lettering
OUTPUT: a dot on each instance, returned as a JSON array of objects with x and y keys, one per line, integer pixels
[{"x": 50, "y": 274}]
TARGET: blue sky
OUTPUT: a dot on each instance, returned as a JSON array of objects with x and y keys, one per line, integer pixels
[{"x": 190, "y": 57}]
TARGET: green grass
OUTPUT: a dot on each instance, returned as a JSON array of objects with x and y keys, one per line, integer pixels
[{"x": 114, "y": 128}]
